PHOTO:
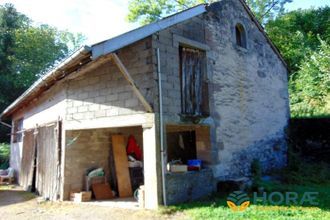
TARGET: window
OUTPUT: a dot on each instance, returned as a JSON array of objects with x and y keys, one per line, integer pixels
[
  {"x": 194, "y": 90},
  {"x": 240, "y": 35},
  {"x": 18, "y": 130},
  {"x": 181, "y": 146}
]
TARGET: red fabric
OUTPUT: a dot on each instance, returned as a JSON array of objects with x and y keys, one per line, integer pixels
[{"x": 133, "y": 148}]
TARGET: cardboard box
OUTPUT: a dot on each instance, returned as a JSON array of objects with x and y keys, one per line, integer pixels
[
  {"x": 178, "y": 168},
  {"x": 81, "y": 196}
]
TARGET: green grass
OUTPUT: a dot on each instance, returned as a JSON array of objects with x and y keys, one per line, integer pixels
[
  {"x": 300, "y": 176},
  {"x": 216, "y": 207}
]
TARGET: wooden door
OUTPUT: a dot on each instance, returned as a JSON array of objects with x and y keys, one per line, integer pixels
[
  {"x": 28, "y": 156},
  {"x": 48, "y": 161}
]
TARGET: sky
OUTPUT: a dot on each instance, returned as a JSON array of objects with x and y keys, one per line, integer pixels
[{"x": 98, "y": 20}]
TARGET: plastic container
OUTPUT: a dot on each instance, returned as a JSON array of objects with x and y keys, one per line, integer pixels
[{"x": 195, "y": 163}]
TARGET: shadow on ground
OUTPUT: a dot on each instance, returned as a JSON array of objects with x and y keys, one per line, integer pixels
[{"x": 10, "y": 194}]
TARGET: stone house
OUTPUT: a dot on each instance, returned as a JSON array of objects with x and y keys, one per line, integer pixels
[{"x": 206, "y": 83}]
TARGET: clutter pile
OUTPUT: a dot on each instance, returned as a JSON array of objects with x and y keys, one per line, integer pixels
[
  {"x": 134, "y": 154},
  {"x": 122, "y": 179},
  {"x": 176, "y": 166}
]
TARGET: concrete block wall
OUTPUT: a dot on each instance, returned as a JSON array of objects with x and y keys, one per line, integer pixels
[
  {"x": 169, "y": 58},
  {"x": 248, "y": 90},
  {"x": 90, "y": 148},
  {"x": 104, "y": 92},
  {"x": 96, "y": 96}
]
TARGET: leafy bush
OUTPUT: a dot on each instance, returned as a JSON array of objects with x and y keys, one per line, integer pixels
[
  {"x": 310, "y": 86},
  {"x": 4, "y": 155}
]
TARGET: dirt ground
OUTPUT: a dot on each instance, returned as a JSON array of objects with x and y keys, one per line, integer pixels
[{"x": 18, "y": 204}]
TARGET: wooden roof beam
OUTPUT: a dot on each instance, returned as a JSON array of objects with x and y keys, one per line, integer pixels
[{"x": 131, "y": 82}]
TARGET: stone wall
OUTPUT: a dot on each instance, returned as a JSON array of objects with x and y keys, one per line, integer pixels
[
  {"x": 249, "y": 101},
  {"x": 248, "y": 94},
  {"x": 189, "y": 186}
]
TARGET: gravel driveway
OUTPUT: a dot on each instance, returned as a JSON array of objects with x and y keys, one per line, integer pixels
[{"x": 17, "y": 204}]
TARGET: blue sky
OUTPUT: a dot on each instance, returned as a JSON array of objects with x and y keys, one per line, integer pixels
[
  {"x": 98, "y": 19},
  {"x": 306, "y": 4}
]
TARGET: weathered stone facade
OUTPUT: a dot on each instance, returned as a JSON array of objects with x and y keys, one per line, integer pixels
[
  {"x": 185, "y": 187},
  {"x": 248, "y": 96},
  {"x": 249, "y": 101}
]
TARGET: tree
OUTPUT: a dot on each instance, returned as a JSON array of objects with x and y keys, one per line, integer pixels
[
  {"x": 26, "y": 52},
  {"x": 38, "y": 49},
  {"x": 295, "y": 33},
  {"x": 298, "y": 36},
  {"x": 310, "y": 85},
  {"x": 147, "y": 11},
  {"x": 10, "y": 20},
  {"x": 266, "y": 10}
]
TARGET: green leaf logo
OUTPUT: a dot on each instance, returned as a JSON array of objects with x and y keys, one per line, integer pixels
[{"x": 238, "y": 201}]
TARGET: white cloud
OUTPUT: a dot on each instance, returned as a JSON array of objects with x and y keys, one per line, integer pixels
[{"x": 97, "y": 19}]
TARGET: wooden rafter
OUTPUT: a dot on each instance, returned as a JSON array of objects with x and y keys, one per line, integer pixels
[{"x": 130, "y": 80}]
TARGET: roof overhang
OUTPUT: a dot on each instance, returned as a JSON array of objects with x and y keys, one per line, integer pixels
[
  {"x": 44, "y": 82},
  {"x": 130, "y": 37},
  {"x": 98, "y": 50}
]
